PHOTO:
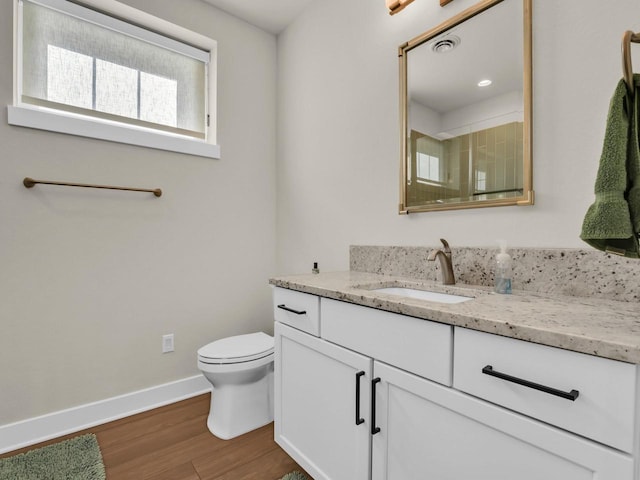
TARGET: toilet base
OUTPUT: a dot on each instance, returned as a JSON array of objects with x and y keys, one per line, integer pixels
[{"x": 238, "y": 409}]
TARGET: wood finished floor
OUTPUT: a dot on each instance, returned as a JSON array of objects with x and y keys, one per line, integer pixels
[{"x": 173, "y": 443}]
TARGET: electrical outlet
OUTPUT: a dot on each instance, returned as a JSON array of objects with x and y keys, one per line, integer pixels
[{"x": 167, "y": 343}]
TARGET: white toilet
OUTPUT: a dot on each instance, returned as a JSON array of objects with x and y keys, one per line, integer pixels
[{"x": 240, "y": 369}]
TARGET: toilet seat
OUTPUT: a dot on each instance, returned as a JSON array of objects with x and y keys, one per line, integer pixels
[{"x": 237, "y": 349}]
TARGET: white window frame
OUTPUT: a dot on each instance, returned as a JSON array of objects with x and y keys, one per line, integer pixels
[
  {"x": 31, "y": 116},
  {"x": 431, "y": 159}
]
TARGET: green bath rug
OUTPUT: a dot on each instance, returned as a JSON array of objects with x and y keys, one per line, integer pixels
[
  {"x": 295, "y": 476},
  {"x": 78, "y": 458}
]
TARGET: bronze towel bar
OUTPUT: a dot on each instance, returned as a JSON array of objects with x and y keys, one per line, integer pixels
[
  {"x": 627, "y": 69},
  {"x": 30, "y": 182}
]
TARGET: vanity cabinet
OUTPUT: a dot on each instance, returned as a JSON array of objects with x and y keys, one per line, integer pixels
[
  {"x": 601, "y": 407},
  {"x": 321, "y": 393},
  {"x": 428, "y": 431},
  {"x": 382, "y": 396},
  {"x": 415, "y": 345},
  {"x": 300, "y": 310}
]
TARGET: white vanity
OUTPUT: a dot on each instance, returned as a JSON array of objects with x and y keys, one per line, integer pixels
[{"x": 363, "y": 393}]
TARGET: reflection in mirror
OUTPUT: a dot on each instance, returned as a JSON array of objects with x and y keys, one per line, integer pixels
[{"x": 466, "y": 111}]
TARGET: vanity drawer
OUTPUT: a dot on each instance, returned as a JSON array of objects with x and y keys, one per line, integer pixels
[
  {"x": 297, "y": 309},
  {"x": 412, "y": 344},
  {"x": 605, "y": 390}
]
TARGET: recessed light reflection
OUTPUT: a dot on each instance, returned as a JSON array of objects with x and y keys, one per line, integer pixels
[{"x": 484, "y": 83}]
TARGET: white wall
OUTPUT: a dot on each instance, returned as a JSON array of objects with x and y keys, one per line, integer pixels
[
  {"x": 338, "y": 134},
  {"x": 489, "y": 113},
  {"x": 90, "y": 280},
  {"x": 424, "y": 119}
]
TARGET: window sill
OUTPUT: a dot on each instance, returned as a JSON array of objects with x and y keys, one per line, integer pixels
[{"x": 84, "y": 127}]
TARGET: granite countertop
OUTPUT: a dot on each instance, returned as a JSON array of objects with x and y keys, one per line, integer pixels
[{"x": 605, "y": 328}]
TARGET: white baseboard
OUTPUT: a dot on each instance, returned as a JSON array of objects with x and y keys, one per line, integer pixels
[{"x": 39, "y": 429}]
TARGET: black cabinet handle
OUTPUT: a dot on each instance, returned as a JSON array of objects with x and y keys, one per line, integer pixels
[
  {"x": 374, "y": 429},
  {"x": 572, "y": 395},
  {"x": 359, "y": 420},
  {"x": 297, "y": 312}
]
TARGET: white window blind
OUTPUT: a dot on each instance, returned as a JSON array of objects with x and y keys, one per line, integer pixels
[{"x": 80, "y": 61}]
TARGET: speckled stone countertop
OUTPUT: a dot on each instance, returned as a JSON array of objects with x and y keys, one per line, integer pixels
[{"x": 605, "y": 328}]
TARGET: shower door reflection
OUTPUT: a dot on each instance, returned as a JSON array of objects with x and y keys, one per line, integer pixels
[{"x": 481, "y": 165}]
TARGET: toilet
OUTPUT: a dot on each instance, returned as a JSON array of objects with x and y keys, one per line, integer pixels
[{"x": 240, "y": 369}]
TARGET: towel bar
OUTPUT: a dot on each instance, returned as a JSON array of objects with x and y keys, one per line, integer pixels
[{"x": 30, "y": 183}]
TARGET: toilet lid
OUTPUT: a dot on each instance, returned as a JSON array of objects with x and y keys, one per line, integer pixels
[{"x": 241, "y": 348}]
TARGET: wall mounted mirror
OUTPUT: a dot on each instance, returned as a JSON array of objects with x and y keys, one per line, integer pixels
[{"x": 465, "y": 97}]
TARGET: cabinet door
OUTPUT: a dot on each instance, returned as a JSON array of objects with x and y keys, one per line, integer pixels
[
  {"x": 316, "y": 385},
  {"x": 431, "y": 432}
]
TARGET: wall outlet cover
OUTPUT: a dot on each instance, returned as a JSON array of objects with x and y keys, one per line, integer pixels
[{"x": 167, "y": 343}]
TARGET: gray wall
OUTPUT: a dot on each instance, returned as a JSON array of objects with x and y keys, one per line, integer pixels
[
  {"x": 90, "y": 280},
  {"x": 338, "y": 134}
]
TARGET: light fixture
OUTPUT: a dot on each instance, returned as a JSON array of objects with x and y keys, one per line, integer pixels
[
  {"x": 484, "y": 83},
  {"x": 396, "y": 6}
]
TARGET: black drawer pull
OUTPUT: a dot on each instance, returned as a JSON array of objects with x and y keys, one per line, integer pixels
[
  {"x": 572, "y": 395},
  {"x": 374, "y": 429},
  {"x": 359, "y": 419},
  {"x": 297, "y": 312}
]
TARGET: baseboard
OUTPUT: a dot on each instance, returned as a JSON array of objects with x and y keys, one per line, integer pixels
[{"x": 39, "y": 429}]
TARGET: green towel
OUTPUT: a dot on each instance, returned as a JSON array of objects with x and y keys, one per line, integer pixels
[
  {"x": 633, "y": 161},
  {"x": 613, "y": 220}
]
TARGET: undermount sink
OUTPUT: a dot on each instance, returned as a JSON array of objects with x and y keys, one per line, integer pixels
[{"x": 423, "y": 294}]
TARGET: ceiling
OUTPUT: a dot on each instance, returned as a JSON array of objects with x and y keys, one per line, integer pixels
[
  {"x": 270, "y": 15},
  {"x": 491, "y": 47}
]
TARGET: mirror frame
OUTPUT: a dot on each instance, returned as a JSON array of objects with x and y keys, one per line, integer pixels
[{"x": 528, "y": 195}]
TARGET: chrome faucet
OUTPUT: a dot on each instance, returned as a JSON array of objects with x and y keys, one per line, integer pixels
[{"x": 444, "y": 255}]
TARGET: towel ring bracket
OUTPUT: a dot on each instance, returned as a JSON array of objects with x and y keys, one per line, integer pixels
[{"x": 627, "y": 69}]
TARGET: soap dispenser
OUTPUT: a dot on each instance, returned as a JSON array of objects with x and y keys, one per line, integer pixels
[{"x": 503, "y": 270}]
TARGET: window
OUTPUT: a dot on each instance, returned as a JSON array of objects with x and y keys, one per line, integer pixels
[
  {"x": 481, "y": 181},
  {"x": 86, "y": 68},
  {"x": 428, "y": 167}
]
